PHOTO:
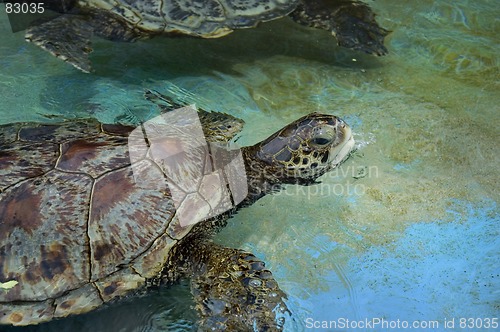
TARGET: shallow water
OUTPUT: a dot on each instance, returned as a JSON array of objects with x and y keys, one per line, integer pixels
[{"x": 406, "y": 229}]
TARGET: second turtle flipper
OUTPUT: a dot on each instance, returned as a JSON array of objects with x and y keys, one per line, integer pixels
[
  {"x": 352, "y": 23},
  {"x": 67, "y": 37}
]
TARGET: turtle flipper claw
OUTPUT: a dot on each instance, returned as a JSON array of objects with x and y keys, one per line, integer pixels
[{"x": 235, "y": 292}]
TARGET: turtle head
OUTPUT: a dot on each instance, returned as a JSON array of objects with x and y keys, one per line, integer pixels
[{"x": 302, "y": 151}]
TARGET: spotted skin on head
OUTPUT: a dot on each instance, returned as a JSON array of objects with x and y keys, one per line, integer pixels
[{"x": 300, "y": 152}]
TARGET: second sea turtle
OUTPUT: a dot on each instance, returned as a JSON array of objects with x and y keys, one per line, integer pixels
[{"x": 68, "y": 36}]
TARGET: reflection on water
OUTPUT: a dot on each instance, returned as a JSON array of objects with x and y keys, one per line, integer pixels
[
  {"x": 405, "y": 229},
  {"x": 159, "y": 310}
]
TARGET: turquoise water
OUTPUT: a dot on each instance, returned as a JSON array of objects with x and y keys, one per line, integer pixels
[{"x": 407, "y": 229}]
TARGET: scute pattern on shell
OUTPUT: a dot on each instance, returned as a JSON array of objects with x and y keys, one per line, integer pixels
[
  {"x": 75, "y": 230},
  {"x": 203, "y": 18},
  {"x": 43, "y": 244}
]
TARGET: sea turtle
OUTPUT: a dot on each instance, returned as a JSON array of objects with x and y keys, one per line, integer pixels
[
  {"x": 68, "y": 36},
  {"x": 80, "y": 228}
]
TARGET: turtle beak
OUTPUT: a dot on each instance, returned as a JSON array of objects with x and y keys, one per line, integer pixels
[{"x": 341, "y": 151}]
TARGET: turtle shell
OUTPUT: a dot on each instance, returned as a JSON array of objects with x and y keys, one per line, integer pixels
[
  {"x": 208, "y": 18},
  {"x": 76, "y": 228}
]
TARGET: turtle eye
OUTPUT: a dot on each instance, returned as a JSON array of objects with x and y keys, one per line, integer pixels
[
  {"x": 322, "y": 136},
  {"x": 321, "y": 141}
]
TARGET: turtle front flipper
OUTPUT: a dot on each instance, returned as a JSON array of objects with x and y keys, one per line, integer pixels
[
  {"x": 67, "y": 37},
  {"x": 233, "y": 291},
  {"x": 352, "y": 23},
  {"x": 217, "y": 126}
]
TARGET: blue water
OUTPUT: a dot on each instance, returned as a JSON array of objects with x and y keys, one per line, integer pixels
[
  {"x": 407, "y": 229},
  {"x": 434, "y": 273}
]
